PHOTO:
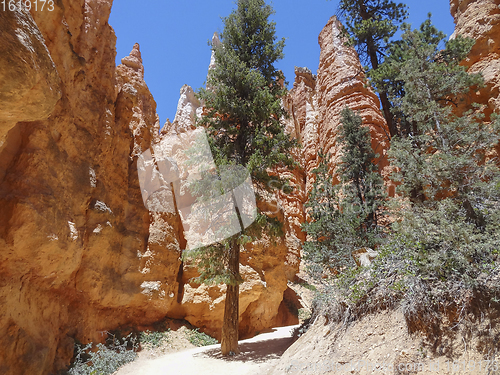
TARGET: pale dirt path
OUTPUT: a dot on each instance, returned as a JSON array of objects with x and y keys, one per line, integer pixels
[{"x": 257, "y": 354}]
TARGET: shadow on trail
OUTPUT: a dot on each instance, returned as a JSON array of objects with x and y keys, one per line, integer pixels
[{"x": 260, "y": 351}]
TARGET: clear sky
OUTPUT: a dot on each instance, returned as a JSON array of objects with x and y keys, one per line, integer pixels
[{"x": 173, "y": 36}]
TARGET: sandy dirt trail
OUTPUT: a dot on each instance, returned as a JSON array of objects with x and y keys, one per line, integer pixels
[{"x": 257, "y": 355}]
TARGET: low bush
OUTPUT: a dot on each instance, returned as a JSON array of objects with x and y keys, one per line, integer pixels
[
  {"x": 104, "y": 359},
  {"x": 151, "y": 340},
  {"x": 198, "y": 338}
]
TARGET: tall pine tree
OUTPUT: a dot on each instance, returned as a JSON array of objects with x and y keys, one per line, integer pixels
[
  {"x": 369, "y": 24},
  {"x": 244, "y": 109}
]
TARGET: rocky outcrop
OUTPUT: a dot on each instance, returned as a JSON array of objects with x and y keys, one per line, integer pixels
[
  {"x": 302, "y": 104},
  {"x": 158, "y": 261},
  {"x": 77, "y": 255},
  {"x": 79, "y": 252},
  {"x": 188, "y": 109},
  {"x": 30, "y": 82},
  {"x": 317, "y": 101},
  {"x": 480, "y": 20}
]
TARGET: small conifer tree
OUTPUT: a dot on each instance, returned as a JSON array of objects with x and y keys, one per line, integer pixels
[
  {"x": 343, "y": 217},
  {"x": 363, "y": 184},
  {"x": 369, "y": 24}
]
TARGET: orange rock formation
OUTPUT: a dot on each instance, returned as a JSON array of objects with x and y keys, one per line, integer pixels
[
  {"x": 79, "y": 252},
  {"x": 316, "y": 102},
  {"x": 480, "y": 20},
  {"x": 74, "y": 231}
]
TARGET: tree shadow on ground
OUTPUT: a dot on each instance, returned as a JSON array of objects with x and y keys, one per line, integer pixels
[{"x": 258, "y": 352}]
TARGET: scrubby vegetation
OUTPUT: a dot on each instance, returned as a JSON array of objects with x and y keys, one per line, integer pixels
[
  {"x": 151, "y": 340},
  {"x": 104, "y": 359},
  {"x": 198, "y": 338},
  {"x": 438, "y": 252}
]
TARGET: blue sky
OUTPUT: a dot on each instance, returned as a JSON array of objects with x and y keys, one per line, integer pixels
[{"x": 173, "y": 36}]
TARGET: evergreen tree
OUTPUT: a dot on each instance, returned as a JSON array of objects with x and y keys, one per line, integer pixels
[
  {"x": 243, "y": 102},
  {"x": 343, "y": 217},
  {"x": 430, "y": 42},
  {"x": 444, "y": 150},
  {"x": 369, "y": 24},
  {"x": 358, "y": 173},
  {"x": 443, "y": 164},
  {"x": 329, "y": 238}
]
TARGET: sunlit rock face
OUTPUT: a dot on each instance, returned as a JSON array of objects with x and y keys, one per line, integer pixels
[
  {"x": 30, "y": 82},
  {"x": 79, "y": 252},
  {"x": 316, "y": 102},
  {"x": 480, "y": 20}
]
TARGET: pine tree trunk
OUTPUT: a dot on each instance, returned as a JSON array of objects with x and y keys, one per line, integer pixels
[
  {"x": 229, "y": 342},
  {"x": 386, "y": 105},
  {"x": 372, "y": 54}
]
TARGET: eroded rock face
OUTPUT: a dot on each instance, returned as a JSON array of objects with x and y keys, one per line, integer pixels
[
  {"x": 341, "y": 84},
  {"x": 480, "y": 20},
  {"x": 30, "y": 82},
  {"x": 188, "y": 108},
  {"x": 77, "y": 255},
  {"x": 159, "y": 260},
  {"x": 316, "y": 102},
  {"x": 379, "y": 342}
]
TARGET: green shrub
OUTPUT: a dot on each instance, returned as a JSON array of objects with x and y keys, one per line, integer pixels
[
  {"x": 308, "y": 286},
  {"x": 429, "y": 273},
  {"x": 106, "y": 359},
  {"x": 154, "y": 339},
  {"x": 304, "y": 314},
  {"x": 198, "y": 338}
]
